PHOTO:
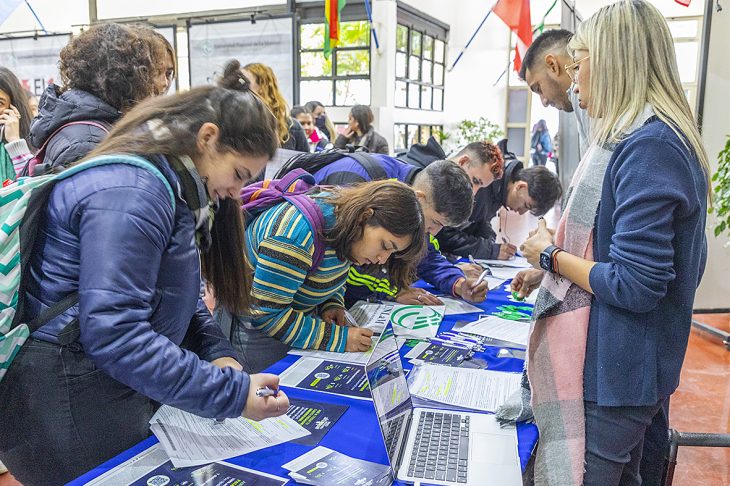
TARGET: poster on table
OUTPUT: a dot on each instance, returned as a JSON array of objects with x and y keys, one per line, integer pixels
[
  {"x": 268, "y": 41},
  {"x": 34, "y": 60}
]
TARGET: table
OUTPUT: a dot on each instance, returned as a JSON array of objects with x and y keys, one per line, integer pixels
[{"x": 356, "y": 433}]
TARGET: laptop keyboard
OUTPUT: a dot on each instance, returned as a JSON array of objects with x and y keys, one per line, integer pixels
[
  {"x": 395, "y": 427},
  {"x": 441, "y": 448}
]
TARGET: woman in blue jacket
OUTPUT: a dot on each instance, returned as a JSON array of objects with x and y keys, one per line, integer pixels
[
  {"x": 76, "y": 395},
  {"x": 615, "y": 306}
]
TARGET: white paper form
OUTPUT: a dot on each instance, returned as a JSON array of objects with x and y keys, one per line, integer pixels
[
  {"x": 462, "y": 387},
  {"x": 514, "y": 262},
  {"x": 457, "y": 306},
  {"x": 494, "y": 282},
  {"x": 191, "y": 440},
  {"x": 372, "y": 316},
  {"x": 358, "y": 358},
  {"x": 505, "y": 273},
  {"x": 497, "y": 328}
]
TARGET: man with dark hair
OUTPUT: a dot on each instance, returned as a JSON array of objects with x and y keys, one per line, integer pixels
[
  {"x": 534, "y": 189},
  {"x": 445, "y": 193},
  {"x": 543, "y": 69},
  {"x": 482, "y": 161}
]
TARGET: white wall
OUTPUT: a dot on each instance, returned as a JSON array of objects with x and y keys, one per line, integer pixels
[{"x": 714, "y": 292}]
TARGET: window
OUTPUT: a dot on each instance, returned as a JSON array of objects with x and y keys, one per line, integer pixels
[
  {"x": 344, "y": 78},
  {"x": 405, "y": 135},
  {"x": 686, "y": 33},
  {"x": 419, "y": 70}
]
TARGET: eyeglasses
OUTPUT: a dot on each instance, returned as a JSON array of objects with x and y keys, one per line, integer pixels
[{"x": 572, "y": 69}]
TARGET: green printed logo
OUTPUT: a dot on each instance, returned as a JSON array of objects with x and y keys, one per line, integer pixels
[{"x": 415, "y": 317}]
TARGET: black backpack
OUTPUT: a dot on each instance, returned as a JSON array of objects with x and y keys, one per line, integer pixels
[{"x": 313, "y": 162}]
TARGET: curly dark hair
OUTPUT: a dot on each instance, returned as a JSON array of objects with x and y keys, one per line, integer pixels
[{"x": 115, "y": 63}]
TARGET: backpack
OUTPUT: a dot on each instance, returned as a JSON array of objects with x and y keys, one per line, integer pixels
[
  {"x": 293, "y": 187},
  {"x": 22, "y": 207},
  {"x": 37, "y": 160},
  {"x": 312, "y": 162}
]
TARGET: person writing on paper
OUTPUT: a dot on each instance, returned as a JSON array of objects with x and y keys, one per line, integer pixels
[
  {"x": 130, "y": 240},
  {"x": 623, "y": 267},
  {"x": 298, "y": 306},
  {"x": 533, "y": 190},
  {"x": 444, "y": 192}
]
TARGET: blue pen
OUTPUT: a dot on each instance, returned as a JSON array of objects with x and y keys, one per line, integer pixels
[
  {"x": 472, "y": 346},
  {"x": 466, "y": 341},
  {"x": 451, "y": 344},
  {"x": 460, "y": 337}
]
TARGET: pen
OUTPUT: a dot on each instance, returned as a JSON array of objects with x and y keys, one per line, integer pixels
[
  {"x": 487, "y": 272},
  {"x": 266, "y": 392},
  {"x": 453, "y": 335},
  {"x": 470, "y": 344},
  {"x": 350, "y": 320},
  {"x": 447, "y": 343}
]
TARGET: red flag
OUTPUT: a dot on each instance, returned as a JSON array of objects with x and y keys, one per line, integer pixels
[{"x": 516, "y": 14}]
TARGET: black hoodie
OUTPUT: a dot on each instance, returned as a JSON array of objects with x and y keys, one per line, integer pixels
[{"x": 75, "y": 141}]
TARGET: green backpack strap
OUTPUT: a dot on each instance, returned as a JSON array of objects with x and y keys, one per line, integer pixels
[
  {"x": 134, "y": 160},
  {"x": 21, "y": 207}
]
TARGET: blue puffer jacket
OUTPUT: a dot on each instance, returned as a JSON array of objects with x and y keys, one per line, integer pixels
[
  {"x": 111, "y": 234},
  {"x": 75, "y": 141}
]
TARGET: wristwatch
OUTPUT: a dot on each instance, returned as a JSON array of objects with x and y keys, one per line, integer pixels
[{"x": 547, "y": 260}]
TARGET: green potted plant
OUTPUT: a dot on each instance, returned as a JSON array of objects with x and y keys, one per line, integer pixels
[
  {"x": 469, "y": 131},
  {"x": 721, "y": 196}
]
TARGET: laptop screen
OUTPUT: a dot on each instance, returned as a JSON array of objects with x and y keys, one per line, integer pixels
[{"x": 391, "y": 398}]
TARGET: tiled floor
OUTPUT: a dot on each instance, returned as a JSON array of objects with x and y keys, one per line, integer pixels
[{"x": 702, "y": 404}]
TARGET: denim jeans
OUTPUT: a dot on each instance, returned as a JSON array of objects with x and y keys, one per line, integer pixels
[
  {"x": 256, "y": 350},
  {"x": 615, "y": 439},
  {"x": 60, "y": 416}
]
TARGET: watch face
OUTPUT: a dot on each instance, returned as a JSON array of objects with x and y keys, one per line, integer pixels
[{"x": 545, "y": 262}]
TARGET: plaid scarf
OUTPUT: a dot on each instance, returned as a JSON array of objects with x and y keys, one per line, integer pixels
[
  {"x": 192, "y": 189},
  {"x": 557, "y": 345}
]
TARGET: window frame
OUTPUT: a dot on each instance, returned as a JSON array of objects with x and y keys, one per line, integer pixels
[
  {"x": 408, "y": 81},
  {"x": 333, "y": 77}
]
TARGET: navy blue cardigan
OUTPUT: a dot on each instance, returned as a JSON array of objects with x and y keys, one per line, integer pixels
[{"x": 650, "y": 243}]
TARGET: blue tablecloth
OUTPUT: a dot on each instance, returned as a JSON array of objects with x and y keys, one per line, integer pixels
[{"x": 356, "y": 433}]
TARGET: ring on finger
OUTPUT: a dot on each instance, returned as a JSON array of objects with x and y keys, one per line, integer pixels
[
  {"x": 418, "y": 298},
  {"x": 277, "y": 404}
]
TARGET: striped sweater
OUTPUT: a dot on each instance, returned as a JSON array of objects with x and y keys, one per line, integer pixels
[{"x": 289, "y": 299}]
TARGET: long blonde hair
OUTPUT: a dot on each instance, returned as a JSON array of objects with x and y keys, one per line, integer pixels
[
  {"x": 632, "y": 62},
  {"x": 271, "y": 95}
]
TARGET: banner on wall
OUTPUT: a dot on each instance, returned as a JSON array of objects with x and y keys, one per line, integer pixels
[
  {"x": 268, "y": 41},
  {"x": 34, "y": 60}
]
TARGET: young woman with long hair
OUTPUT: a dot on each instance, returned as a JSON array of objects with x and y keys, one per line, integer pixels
[
  {"x": 133, "y": 248},
  {"x": 296, "y": 305},
  {"x": 615, "y": 306}
]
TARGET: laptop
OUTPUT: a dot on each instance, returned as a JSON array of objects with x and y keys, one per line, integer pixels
[{"x": 435, "y": 446}]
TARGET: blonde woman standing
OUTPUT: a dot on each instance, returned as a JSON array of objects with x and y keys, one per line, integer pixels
[{"x": 615, "y": 305}]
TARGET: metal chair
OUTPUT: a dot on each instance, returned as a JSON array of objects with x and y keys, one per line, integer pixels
[{"x": 690, "y": 439}]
